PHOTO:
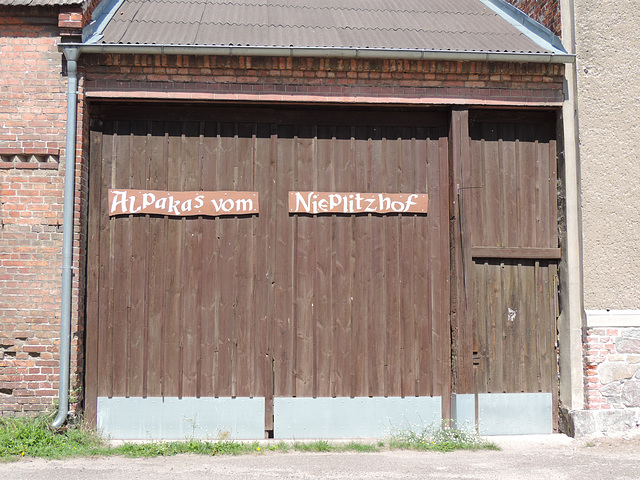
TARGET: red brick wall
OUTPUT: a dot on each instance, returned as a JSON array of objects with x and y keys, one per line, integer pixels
[
  {"x": 547, "y": 12},
  {"x": 323, "y": 80},
  {"x": 32, "y": 142}
]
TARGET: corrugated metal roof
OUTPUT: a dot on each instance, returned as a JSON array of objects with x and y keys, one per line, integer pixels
[
  {"x": 40, "y": 3},
  {"x": 439, "y": 25}
]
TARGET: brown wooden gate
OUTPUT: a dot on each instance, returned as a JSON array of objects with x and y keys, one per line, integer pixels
[
  {"x": 275, "y": 303},
  {"x": 506, "y": 237}
]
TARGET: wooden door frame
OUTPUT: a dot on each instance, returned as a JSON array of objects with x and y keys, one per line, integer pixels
[{"x": 461, "y": 321}]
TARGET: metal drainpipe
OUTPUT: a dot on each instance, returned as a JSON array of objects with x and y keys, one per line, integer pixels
[{"x": 71, "y": 54}]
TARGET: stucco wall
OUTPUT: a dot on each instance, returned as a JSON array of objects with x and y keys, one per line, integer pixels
[{"x": 608, "y": 66}]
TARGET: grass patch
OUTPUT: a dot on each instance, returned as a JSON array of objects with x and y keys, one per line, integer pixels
[
  {"x": 198, "y": 447},
  {"x": 33, "y": 437},
  {"x": 439, "y": 439},
  {"x": 317, "y": 446},
  {"x": 325, "y": 446}
]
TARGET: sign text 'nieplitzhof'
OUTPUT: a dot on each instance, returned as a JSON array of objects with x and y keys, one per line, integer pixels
[
  {"x": 182, "y": 204},
  {"x": 333, "y": 202}
]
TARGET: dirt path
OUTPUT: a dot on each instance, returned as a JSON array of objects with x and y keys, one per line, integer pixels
[{"x": 522, "y": 458}]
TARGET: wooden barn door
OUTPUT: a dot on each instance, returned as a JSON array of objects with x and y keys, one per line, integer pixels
[
  {"x": 273, "y": 305},
  {"x": 173, "y": 302},
  {"x": 507, "y": 236}
]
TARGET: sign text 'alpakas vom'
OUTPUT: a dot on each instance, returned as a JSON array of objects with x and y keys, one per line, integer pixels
[
  {"x": 333, "y": 202},
  {"x": 182, "y": 204}
]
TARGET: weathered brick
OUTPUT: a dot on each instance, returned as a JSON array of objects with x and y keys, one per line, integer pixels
[
  {"x": 546, "y": 12},
  {"x": 34, "y": 120}
]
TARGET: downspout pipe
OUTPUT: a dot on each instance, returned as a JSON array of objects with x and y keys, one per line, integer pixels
[{"x": 71, "y": 54}]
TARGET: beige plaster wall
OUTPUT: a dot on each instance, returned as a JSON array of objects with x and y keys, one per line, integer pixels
[{"x": 608, "y": 69}]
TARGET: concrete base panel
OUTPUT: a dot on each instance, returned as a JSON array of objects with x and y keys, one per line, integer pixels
[
  {"x": 515, "y": 413},
  {"x": 463, "y": 411},
  {"x": 360, "y": 417},
  {"x": 178, "y": 419}
]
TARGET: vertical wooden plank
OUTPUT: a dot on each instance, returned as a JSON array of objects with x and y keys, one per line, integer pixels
[
  {"x": 138, "y": 266},
  {"x": 508, "y": 351},
  {"x": 487, "y": 332},
  {"x": 477, "y": 192},
  {"x": 407, "y": 265},
  {"x": 271, "y": 136},
  {"x": 553, "y": 193},
  {"x": 541, "y": 196},
  {"x": 506, "y": 180},
  {"x": 227, "y": 234},
  {"x": 157, "y": 272},
  {"x": 523, "y": 292},
  {"x": 457, "y": 272},
  {"x": 107, "y": 258},
  {"x": 263, "y": 298},
  {"x": 532, "y": 321},
  {"x": 481, "y": 365},
  {"x": 122, "y": 273},
  {"x": 209, "y": 274},
  {"x": 245, "y": 258},
  {"x": 461, "y": 266},
  {"x": 172, "y": 351},
  {"x": 222, "y": 355},
  {"x": 191, "y": 265},
  {"x": 339, "y": 256},
  {"x": 496, "y": 317},
  {"x": 376, "y": 339},
  {"x": 493, "y": 161},
  {"x": 426, "y": 247},
  {"x": 306, "y": 268},
  {"x": 360, "y": 255},
  {"x": 526, "y": 183},
  {"x": 320, "y": 158},
  {"x": 94, "y": 246},
  {"x": 442, "y": 321},
  {"x": 393, "y": 372},
  {"x": 148, "y": 159},
  {"x": 284, "y": 264}
]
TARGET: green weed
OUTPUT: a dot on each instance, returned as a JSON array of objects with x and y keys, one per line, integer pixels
[
  {"x": 198, "y": 447},
  {"x": 361, "y": 447},
  {"x": 316, "y": 446},
  {"x": 439, "y": 439},
  {"x": 34, "y": 437},
  {"x": 325, "y": 446}
]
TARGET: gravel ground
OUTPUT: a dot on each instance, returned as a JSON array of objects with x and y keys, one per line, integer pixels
[{"x": 554, "y": 457}]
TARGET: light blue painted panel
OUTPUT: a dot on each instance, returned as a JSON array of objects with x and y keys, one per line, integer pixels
[
  {"x": 463, "y": 411},
  {"x": 156, "y": 418},
  {"x": 515, "y": 413},
  {"x": 360, "y": 417}
]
